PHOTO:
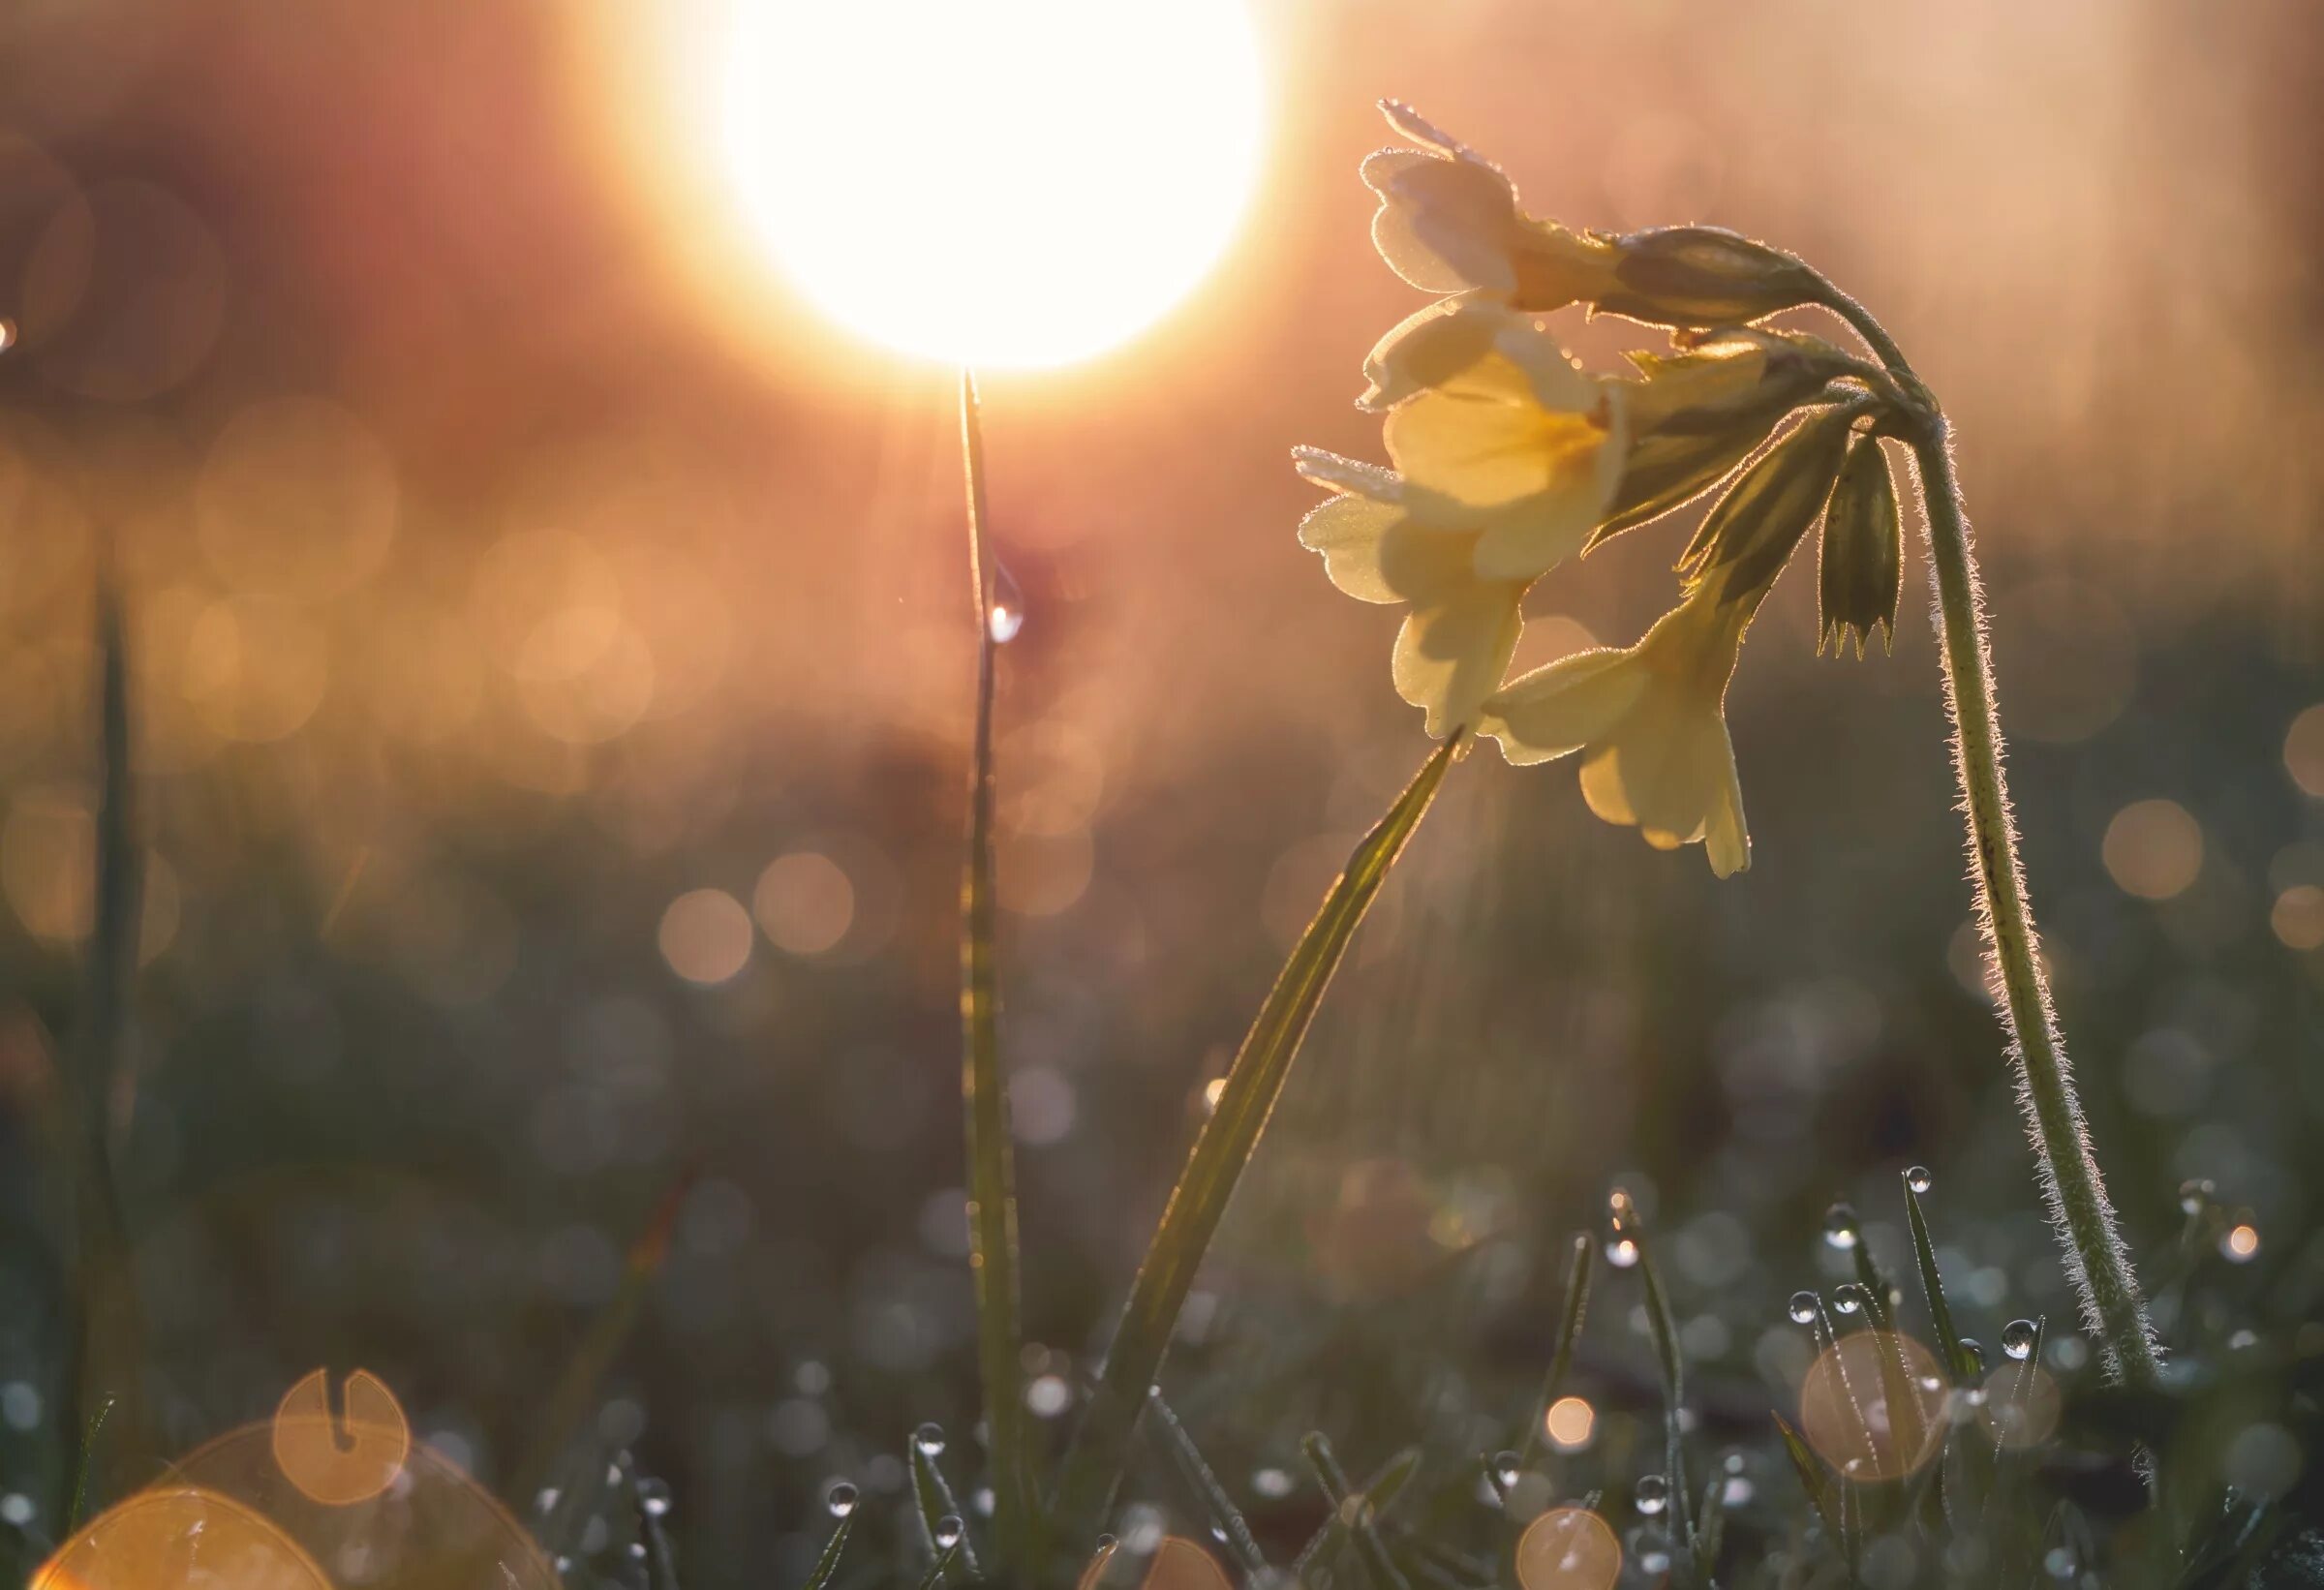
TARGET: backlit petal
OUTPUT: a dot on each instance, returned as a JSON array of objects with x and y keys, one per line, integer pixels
[
  {"x": 1555, "y": 710},
  {"x": 1451, "y": 652}
]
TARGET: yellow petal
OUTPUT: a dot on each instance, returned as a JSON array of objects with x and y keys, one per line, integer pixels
[
  {"x": 1727, "y": 843},
  {"x": 1555, "y": 710},
  {"x": 1527, "y": 538},
  {"x": 1427, "y": 348},
  {"x": 1443, "y": 225},
  {"x": 1453, "y": 651},
  {"x": 1477, "y": 454},
  {"x": 1348, "y": 530}
]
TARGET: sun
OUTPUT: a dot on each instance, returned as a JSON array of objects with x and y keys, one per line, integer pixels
[{"x": 1017, "y": 183}]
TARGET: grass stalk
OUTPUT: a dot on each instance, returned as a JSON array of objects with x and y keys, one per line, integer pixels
[
  {"x": 1560, "y": 1356},
  {"x": 983, "y": 1090},
  {"x": 108, "y": 1318},
  {"x": 1221, "y": 1151}
]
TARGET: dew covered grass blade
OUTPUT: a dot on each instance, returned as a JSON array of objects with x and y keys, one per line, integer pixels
[
  {"x": 1203, "y": 1481},
  {"x": 1561, "y": 1355},
  {"x": 1380, "y": 1492},
  {"x": 1356, "y": 1509},
  {"x": 984, "y": 1087},
  {"x": 936, "y": 1505},
  {"x": 827, "y": 1566},
  {"x": 1224, "y": 1147},
  {"x": 1932, "y": 1285}
]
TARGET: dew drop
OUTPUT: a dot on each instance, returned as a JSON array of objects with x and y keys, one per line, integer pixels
[
  {"x": 1974, "y": 1351},
  {"x": 2017, "y": 1339},
  {"x": 1506, "y": 1468},
  {"x": 653, "y": 1498},
  {"x": 930, "y": 1439},
  {"x": 1106, "y": 1543},
  {"x": 1005, "y": 617},
  {"x": 1803, "y": 1307},
  {"x": 1849, "y": 1300},
  {"x": 841, "y": 1499},
  {"x": 2195, "y": 1194},
  {"x": 949, "y": 1530},
  {"x": 1840, "y": 1226},
  {"x": 546, "y": 1501},
  {"x": 1621, "y": 1252},
  {"x": 1653, "y": 1560},
  {"x": 1917, "y": 1179},
  {"x": 2239, "y": 1244},
  {"x": 2059, "y": 1563},
  {"x": 1652, "y": 1494},
  {"x": 1735, "y": 1491}
]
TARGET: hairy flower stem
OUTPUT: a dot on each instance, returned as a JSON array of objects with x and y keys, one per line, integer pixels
[
  {"x": 2095, "y": 1258},
  {"x": 983, "y": 1090}
]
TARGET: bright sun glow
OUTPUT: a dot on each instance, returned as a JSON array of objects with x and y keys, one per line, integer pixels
[{"x": 993, "y": 182}]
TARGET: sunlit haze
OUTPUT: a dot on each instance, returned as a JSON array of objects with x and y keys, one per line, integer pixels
[{"x": 1011, "y": 182}]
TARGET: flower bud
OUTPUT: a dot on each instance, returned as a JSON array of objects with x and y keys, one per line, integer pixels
[
  {"x": 1751, "y": 532},
  {"x": 1695, "y": 415},
  {"x": 1860, "y": 570},
  {"x": 1701, "y": 277}
]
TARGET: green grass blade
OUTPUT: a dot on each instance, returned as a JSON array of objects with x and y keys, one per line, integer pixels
[
  {"x": 942, "y": 1565},
  {"x": 984, "y": 1088},
  {"x": 1381, "y": 1492},
  {"x": 80, "y": 1508},
  {"x": 1560, "y": 1356},
  {"x": 827, "y": 1566},
  {"x": 1671, "y": 1369},
  {"x": 1941, "y": 1314},
  {"x": 931, "y": 1495},
  {"x": 575, "y": 1395},
  {"x": 109, "y": 1319},
  {"x": 1205, "y": 1484},
  {"x": 1821, "y": 1488},
  {"x": 1356, "y": 1509},
  {"x": 1224, "y": 1147}
]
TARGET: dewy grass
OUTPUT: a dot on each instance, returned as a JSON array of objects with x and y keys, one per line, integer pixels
[{"x": 984, "y": 1088}]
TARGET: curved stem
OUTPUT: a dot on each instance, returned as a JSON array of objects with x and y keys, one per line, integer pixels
[{"x": 2095, "y": 1258}]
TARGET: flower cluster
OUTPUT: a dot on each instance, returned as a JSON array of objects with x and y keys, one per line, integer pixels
[{"x": 1508, "y": 458}]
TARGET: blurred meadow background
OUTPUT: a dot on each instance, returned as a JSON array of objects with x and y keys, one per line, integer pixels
[{"x": 551, "y": 689}]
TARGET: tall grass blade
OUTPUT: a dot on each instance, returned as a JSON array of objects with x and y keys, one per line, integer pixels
[
  {"x": 827, "y": 1566},
  {"x": 1357, "y": 1510},
  {"x": 1941, "y": 1314},
  {"x": 1228, "y": 1139},
  {"x": 931, "y": 1495},
  {"x": 1199, "y": 1475},
  {"x": 109, "y": 1319},
  {"x": 983, "y": 1090},
  {"x": 1671, "y": 1367},
  {"x": 575, "y": 1395},
  {"x": 1561, "y": 1356}
]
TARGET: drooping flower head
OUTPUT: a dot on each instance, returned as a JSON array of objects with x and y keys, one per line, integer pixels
[
  {"x": 1450, "y": 222},
  {"x": 1506, "y": 457},
  {"x": 1650, "y": 719}
]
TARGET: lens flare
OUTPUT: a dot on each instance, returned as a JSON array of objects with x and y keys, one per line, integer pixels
[{"x": 1014, "y": 182}]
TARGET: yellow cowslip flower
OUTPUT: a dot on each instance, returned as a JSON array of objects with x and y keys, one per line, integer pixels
[
  {"x": 1378, "y": 545},
  {"x": 1506, "y": 456},
  {"x": 1502, "y": 432},
  {"x": 1650, "y": 719},
  {"x": 1449, "y": 222},
  {"x": 1651, "y": 723}
]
